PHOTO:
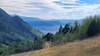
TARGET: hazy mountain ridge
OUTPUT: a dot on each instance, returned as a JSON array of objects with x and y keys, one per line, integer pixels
[{"x": 47, "y": 25}]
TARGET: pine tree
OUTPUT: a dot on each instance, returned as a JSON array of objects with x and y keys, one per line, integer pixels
[
  {"x": 48, "y": 37},
  {"x": 66, "y": 29},
  {"x": 76, "y": 27},
  {"x": 60, "y": 29}
]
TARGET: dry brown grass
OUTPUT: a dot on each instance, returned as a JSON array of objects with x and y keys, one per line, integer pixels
[{"x": 89, "y": 47}]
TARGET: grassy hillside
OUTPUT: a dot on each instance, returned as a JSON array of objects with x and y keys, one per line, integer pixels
[{"x": 89, "y": 47}]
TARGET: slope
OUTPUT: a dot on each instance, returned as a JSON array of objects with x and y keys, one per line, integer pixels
[
  {"x": 25, "y": 26},
  {"x": 89, "y": 47},
  {"x": 16, "y": 35}
]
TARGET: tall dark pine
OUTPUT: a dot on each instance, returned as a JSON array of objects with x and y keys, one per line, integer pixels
[
  {"x": 66, "y": 28},
  {"x": 76, "y": 27},
  {"x": 48, "y": 37},
  {"x": 93, "y": 28},
  {"x": 60, "y": 29}
]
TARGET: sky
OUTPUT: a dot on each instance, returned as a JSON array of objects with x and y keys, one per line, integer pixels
[{"x": 52, "y": 9}]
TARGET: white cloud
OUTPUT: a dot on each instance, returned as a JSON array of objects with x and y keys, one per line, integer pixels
[
  {"x": 48, "y": 9},
  {"x": 69, "y": 1}
]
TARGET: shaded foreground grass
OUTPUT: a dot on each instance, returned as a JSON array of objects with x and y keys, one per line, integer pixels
[{"x": 89, "y": 47}]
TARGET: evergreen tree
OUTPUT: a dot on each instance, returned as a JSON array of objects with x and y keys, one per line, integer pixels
[
  {"x": 48, "y": 37},
  {"x": 94, "y": 27},
  {"x": 66, "y": 29},
  {"x": 60, "y": 29},
  {"x": 76, "y": 27}
]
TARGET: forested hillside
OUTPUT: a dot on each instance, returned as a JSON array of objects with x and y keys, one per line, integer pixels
[{"x": 16, "y": 35}]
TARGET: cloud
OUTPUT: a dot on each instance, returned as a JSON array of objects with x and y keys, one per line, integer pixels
[
  {"x": 51, "y": 9},
  {"x": 69, "y": 1}
]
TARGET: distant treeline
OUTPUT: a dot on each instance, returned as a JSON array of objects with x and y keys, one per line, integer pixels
[{"x": 78, "y": 31}]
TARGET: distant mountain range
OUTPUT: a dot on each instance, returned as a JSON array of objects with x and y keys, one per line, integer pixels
[{"x": 47, "y": 25}]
